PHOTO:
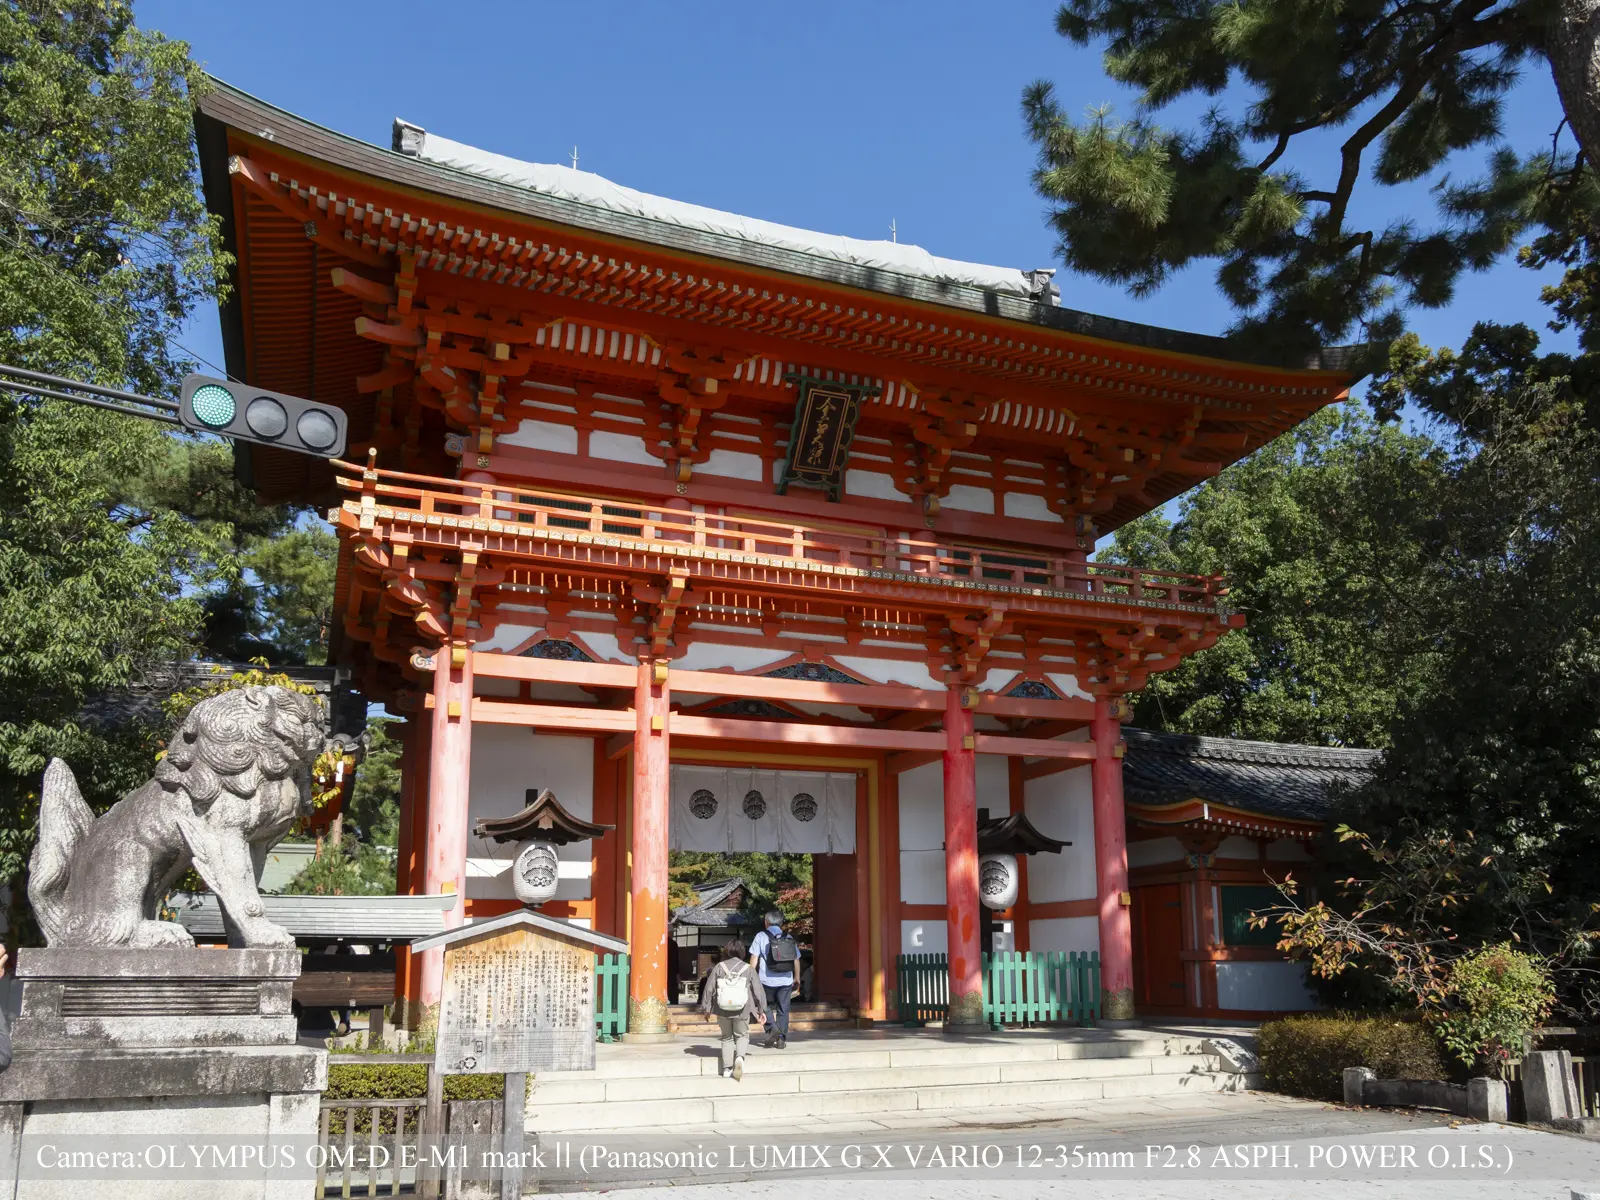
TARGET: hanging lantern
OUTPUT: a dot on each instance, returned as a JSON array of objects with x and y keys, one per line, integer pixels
[
  {"x": 535, "y": 873},
  {"x": 998, "y": 881}
]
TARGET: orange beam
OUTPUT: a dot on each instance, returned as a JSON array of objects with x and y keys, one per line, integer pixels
[{"x": 763, "y": 687}]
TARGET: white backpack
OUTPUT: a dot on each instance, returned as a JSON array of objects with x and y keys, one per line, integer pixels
[{"x": 733, "y": 991}]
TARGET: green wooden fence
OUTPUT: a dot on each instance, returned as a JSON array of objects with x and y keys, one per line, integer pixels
[
  {"x": 610, "y": 995},
  {"x": 1060, "y": 987}
]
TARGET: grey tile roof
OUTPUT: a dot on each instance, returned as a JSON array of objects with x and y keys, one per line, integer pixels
[
  {"x": 705, "y": 914},
  {"x": 1285, "y": 780}
]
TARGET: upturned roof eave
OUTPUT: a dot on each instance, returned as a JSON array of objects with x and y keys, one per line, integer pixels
[{"x": 223, "y": 107}]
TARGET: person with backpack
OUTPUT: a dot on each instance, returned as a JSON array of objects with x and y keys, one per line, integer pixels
[
  {"x": 777, "y": 960},
  {"x": 733, "y": 995}
]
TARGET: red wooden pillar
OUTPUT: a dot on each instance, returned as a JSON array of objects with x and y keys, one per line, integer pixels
[
  {"x": 963, "y": 921},
  {"x": 647, "y": 983},
  {"x": 1111, "y": 867},
  {"x": 444, "y": 861}
]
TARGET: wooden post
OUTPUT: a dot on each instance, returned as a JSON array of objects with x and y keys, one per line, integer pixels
[
  {"x": 1111, "y": 867},
  {"x": 431, "y": 1137},
  {"x": 449, "y": 775},
  {"x": 647, "y": 985},
  {"x": 961, "y": 864},
  {"x": 511, "y": 1135}
]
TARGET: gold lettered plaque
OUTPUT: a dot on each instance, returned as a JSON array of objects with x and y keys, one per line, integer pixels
[{"x": 517, "y": 1000}]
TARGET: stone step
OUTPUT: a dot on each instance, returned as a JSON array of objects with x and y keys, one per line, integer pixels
[
  {"x": 774, "y": 1074},
  {"x": 840, "y": 1055},
  {"x": 802, "y": 1025},
  {"x": 733, "y": 1103}
]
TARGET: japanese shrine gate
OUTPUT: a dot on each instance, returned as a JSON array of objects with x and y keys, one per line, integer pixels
[{"x": 634, "y": 484}]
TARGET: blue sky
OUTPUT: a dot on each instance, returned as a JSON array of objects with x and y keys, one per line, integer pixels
[{"x": 835, "y": 116}]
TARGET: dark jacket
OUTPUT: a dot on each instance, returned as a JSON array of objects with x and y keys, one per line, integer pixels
[{"x": 754, "y": 1005}]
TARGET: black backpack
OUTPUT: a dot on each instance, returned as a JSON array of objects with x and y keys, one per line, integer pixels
[{"x": 782, "y": 953}]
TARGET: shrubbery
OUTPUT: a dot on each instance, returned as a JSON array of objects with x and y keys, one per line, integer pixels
[
  {"x": 1498, "y": 996},
  {"x": 1306, "y": 1056}
]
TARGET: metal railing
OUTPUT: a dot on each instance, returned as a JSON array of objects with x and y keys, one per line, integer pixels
[
  {"x": 876, "y": 548},
  {"x": 1059, "y": 987}
]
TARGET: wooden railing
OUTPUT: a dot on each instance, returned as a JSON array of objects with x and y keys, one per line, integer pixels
[
  {"x": 867, "y": 547},
  {"x": 1018, "y": 988}
]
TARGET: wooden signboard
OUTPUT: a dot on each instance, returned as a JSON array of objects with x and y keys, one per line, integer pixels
[
  {"x": 819, "y": 437},
  {"x": 518, "y": 996}
]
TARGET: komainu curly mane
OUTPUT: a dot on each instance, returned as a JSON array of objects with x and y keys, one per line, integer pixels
[{"x": 235, "y": 777}]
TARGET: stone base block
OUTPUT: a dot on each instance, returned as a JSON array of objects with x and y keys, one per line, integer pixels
[
  {"x": 58, "y": 1110},
  {"x": 179, "y": 996}
]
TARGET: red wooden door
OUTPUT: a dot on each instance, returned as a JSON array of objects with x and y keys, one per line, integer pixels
[
  {"x": 833, "y": 888},
  {"x": 1158, "y": 946}
]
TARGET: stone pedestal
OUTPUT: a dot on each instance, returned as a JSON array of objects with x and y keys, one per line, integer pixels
[{"x": 126, "y": 1049}]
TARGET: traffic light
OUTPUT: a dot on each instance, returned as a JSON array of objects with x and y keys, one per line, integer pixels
[{"x": 249, "y": 414}]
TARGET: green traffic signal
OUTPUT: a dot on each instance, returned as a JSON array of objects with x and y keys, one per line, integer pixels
[
  {"x": 234, "y": 410},
  {"x": 214, "y": 405}
]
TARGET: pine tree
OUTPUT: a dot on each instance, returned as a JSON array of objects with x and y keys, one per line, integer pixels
[{"x": 1402, "y": 86}]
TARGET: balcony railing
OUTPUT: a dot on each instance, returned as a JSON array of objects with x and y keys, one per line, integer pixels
[{"x": 849, "y": 544}]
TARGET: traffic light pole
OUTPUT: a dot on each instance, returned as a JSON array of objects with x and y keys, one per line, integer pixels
[
  {"x": 27, "y": 383},
  {"x": 224, "y": 407}
]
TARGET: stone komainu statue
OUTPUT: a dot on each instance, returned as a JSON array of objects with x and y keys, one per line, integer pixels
[{"x": 236, "y": 776}]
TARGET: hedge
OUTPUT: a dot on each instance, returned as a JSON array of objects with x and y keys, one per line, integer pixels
[
  {"x": 397, "y": 1081},
  {"x": 1306, "y": 1056}
]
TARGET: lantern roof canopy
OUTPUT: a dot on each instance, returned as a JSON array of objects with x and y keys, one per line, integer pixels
[
  {"x": 543, "y": 820},
  {"x": 1014, "y": 834}
]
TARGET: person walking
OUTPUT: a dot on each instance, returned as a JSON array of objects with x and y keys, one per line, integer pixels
[
  {"x": 733, "y": 995},
  {"x": 776, "y": 958}
]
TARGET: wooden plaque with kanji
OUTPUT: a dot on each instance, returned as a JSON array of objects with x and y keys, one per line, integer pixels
[{"x": 516, "y": 1000}]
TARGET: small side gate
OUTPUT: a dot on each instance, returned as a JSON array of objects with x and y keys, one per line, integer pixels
[{"x": 1052, "y": 988}]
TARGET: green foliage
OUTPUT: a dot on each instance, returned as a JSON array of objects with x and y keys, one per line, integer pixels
[
  {"x": 105, "y": 247},
  {"x": 373, "y": 809},
  {"x": 1306, "y": 1056},
  {"x": 1323, "y": 535},
  {"x": 1405, "y": 86},
  {"x": 296, "y": 572},
  {"x": 403, "y": 1081},
  {"x": 1499, "y": 996},
  {"x": 764, "y": 875}
]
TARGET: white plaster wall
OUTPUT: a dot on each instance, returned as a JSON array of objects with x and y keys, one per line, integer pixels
[
  {"x": 1287, "y": 850},
  {"x": 608, "y": 648},
  {"x": 876, "y": 485},
  {"x": 508, "y": 637},
  {"x": 922, "y": 834},
  {"x": 489, "y": 685},
  {"x": 1062, "y": 805},
  {"x": 1238, "y": 847},
  {"x": 922, "y": 876},
  {"x": 542, "y": 435},
  {"x": 1155, "y": 850},
  {"x": 1067, "y": 686},
  {"x": 507, "y": 760},
  {"x": 888, "y": 670},
  {"x": 1264, "y": 987},
  {"x": 620, "y": 447},
  {"x": 994, "y": 784},
  {"x": 1030, "y": 507},
  {"x": 709, "y": 656},
  {"x": 1062, "y": 933},
  {"x": 924, "y": 937},
  {"x": 967, "y": 498},
  {"x": 731, "y": 464},
  {"x": 922, "y": 808}
]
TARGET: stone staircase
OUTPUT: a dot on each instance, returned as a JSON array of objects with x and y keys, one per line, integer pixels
[
  {"x": 805, "y": 1017},
  {"x": 871, "y": 1073}
]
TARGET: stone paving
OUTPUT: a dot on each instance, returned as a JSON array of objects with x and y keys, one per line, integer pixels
[{"x": 1546, "y": 1164}]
